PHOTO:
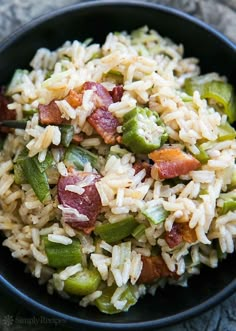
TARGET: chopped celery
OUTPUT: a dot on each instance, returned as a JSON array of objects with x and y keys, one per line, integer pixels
[
  {"x": 115, "y": 73},
  {"x": 143, "y": 131},
  {"x": 229, "y": 205},
  {"x": 222, "y": 93},
  {"x": 17, "y": 79},
  {"x": 77, "y": 156},
  {"x": 202, "y": 156},
  {"x": 226, "y": 132},
  {"x": 155, "y": 214},
  {"x": 103, "y": 303},
  {"x": 113, "y": 232},
  {"x": 60, "y": 256},
  {"x": 139, "y": 231},
  {"x": 83, "y": 283},
  {"x": 67, "y": 132}
]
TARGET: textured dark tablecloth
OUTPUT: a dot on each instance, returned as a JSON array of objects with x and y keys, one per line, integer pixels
[{"x": 219, "y": 13}]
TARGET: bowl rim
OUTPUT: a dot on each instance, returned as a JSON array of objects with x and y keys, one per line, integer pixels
[{"x": 161, "y": 322}]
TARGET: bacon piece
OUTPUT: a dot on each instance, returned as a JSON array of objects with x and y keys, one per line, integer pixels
[
  {"x": 50, "y": 114},
  {"x": 88, "y": 203},
  {"x": 172, "y": 162},
  {"x": 138, "y": 166},
  {"x": 105, "y": 124},
  {"x": 117, "y": 93},
  {"x": 180, "y": 232},
  {"x": 154, "y": 267},
  {"x": 77, "y": 138},
  {"x": 102, "y": 97},
  {"x": 5, "y": 113},
  {"x": 74, "y": 99}
]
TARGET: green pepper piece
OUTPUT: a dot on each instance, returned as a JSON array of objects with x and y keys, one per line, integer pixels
[
  {"x": 103, "y": 303},
  {"x": 42, "y": 166},
  {"x": 226, "y": 132},
  {"x": 228, "y": 206},
  {"x": 143, "y": 131},
  {"x": 83, "y": 283},
  {"x": 38, "y": 180},
  {"x": 155, "y": 214},
  {"x": 67, "y": 132},
  {"x": 61, "y": 256},
  {"x": 113, "y": 232},
  {"x": 77, "y": 156},
  {"x": 222, "y": 93},
  {"x": 202, "y": 156},
  {"x": 29, "y": 113},
  {"x": 139, "y": 231},
  {"x": 19, "y": 175}
]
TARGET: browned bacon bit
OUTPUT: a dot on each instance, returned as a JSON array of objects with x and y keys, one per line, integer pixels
[
  {"x": 180, "y": 232},
  {"x": 102, "y": 97},
  {"x": 5, "y": 113},
  {"x": 105, "y": 124},
  {"x": 74, "y": 99},
  {"x": 154, "y": 267},
  {"x": 77, "y": 138},
  {"x": 119, "y": 139},
  {"x": 138, "y": 166},
  {"x": 172, "y": 162},
  {"x": 88, "y": 203},
  {"x": 50, "y": 114},
  {"x": 117, "y": 93}
]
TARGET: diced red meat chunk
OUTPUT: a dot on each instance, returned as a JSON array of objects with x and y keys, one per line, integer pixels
[
  {"x": 74, "y": 99},
  {"x": 50, "y": 114},
  {"x": 102, "y": 97},
  {"x": 154, "y": 267},
  {"x": 172, "y": 162},
  {"x": 88, "y": 203},
  {"x": 180, "y": 232},
  {"x": 5, "y": 113},
  {"x": 105, "y": 124},
  {"x": 138, "y": 166},
  {"x": 117, "y": 93}
]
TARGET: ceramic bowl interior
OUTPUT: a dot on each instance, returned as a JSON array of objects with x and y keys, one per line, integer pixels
[{"x": 97, "y": 19}]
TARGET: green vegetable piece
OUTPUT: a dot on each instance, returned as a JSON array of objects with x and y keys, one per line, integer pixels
[
  {"x": 228, "y": 206},
  {"x": 83, "y": 283},
  {"x": 43, "y": 166},
  {"x": 115, "y": 73},
  {"x": 155, "y": 214},
  {"x": 38, "y": 180},
  {"x": 77, "y": 156},
  {"x": 202, "y": 156},
  {"x": 221, "y": 256},
  {"x": 29, "y": 113},
  {"x": 19, "y": 175},
  {"x": 228, "y": 196},
  {"x": 67, "y": 132},
  {"x": 226, "y": 132},
  {"x": 16, "y": 80},
  {"x": 139, "y": 231},
  {"x": 113, "y": 232},
  {"x": 222, "y": 93},
  {"x": 15, "y": 124},
  {"x": 233, "y": 180},
  {"x": 143, "y": 131},
  {"x": 61, "y": 256},
  {"x": 103, "y": 303}
]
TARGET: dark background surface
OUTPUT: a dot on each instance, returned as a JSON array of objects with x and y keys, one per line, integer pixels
[{"x": 220, "y": 14}]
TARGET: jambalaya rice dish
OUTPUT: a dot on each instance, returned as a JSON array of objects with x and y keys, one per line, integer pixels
[{"x": 117, "y": 168}]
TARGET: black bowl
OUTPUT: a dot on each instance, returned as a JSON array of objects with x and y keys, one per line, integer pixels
[{"x": 96, "y": 19}]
